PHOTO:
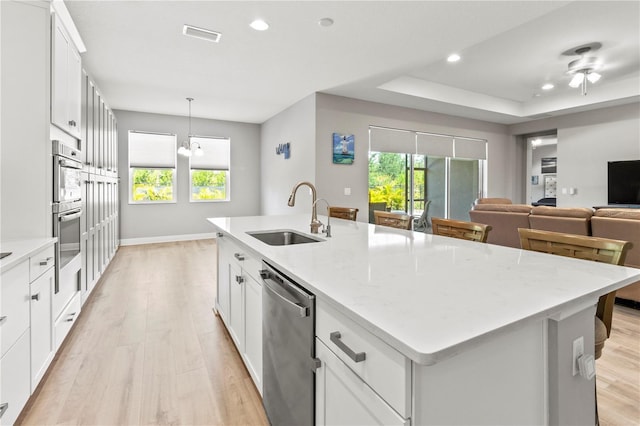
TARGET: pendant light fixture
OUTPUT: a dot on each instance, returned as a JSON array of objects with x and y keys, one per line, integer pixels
[{"x": 188, "y": 148}]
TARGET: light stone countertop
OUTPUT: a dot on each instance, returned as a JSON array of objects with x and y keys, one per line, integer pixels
[
  {"x": 429, "y": 297},
  {"x": 21, "y": 250}
]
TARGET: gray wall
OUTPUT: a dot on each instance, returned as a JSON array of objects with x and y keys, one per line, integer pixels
[
  {"x": 586, "y": 141},
  {"x": 351, "y": 116},
  {"x": 148, "y": 221},
  {"x": 25, "y": 150},
  {"x": 295, "y": 125}
]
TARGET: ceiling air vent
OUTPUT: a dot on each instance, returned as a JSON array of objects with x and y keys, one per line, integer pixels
[{"x": 196, "y": 32}]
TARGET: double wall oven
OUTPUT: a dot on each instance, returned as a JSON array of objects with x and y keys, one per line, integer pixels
[{"x": 67, "y": 211}]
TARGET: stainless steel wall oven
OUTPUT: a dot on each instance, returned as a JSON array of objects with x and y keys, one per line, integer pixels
[{"x": 67, "y": 210}]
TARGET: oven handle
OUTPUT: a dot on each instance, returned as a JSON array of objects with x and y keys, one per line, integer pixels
[
  {"x": 74, "y": 214},
  {"x": 71, "y": 164}
]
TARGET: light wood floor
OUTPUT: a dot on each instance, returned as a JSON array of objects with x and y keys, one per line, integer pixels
[{"x": 147, "y": 349}]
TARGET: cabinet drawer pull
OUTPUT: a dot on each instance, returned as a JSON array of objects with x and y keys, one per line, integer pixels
[
  {"x": 3, "y": 319},
  {"x": 238, "y": 256},
  {"x": 356, "y": 357},
  {"x": 3, "y": 408},
  {"x": 69, "y": 320},
  {"x": 239, "y": 279},
  {"x": 35, "y": 296},
  {"x": 46, "y": 261}
]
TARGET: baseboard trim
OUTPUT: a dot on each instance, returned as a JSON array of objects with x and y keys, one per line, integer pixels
[{"x": 165, "y": 239}]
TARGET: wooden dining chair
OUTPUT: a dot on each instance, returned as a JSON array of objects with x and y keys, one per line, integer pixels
[
  {"x": 597, "y": 249},
  {"x": 349, "y": 213},
  {"x": 394, "y": 220},
  {"x": 471, "y": 231}
]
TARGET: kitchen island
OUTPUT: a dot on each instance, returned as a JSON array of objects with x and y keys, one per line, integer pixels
[{"x": 468, "y": 333}]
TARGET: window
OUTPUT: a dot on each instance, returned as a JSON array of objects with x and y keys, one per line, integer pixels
[
  {"x": 407, "y": 169},
  {"x": 209, "y": 173},
  {"x": 152, "y": 167}
]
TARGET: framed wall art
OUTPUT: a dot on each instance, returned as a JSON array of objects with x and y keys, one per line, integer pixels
[{"x": 343, "y": 148}]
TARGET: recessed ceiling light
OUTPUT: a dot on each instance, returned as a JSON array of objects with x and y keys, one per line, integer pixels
[
  {"x": 209, "y": 35},
  {"x": 259, "y": 25},
  {"x": 325, "y": 22},
  {"x": 454, "y": 57},
  {"x": 548, "y": 86}
]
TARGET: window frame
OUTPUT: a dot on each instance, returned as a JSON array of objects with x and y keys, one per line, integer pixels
[
  {"x": 201, "y": 140},
  {"x": 174, "y": 186}
]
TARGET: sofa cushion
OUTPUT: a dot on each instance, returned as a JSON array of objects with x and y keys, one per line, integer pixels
[
  {"x": 579, "y": 212},
  {"x": 509, "y": 208},
  {"x": 619, "y": 213},
  {"x": 493, "y": 201}
]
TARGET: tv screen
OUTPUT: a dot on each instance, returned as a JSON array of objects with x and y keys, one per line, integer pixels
[{"x": 624, "y": 182}]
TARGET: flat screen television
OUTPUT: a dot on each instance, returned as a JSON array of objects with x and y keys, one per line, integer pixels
[{"x": 624, "y": 182}]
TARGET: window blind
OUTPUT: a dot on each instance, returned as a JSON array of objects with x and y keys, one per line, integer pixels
[
  {"x": 435, "y": 145},
  {"x": 390, "y": 140},
  {"x": 152, "y": 150},
  {"x": 216, "y": 153},
  {"x": 475, "y": 149}
]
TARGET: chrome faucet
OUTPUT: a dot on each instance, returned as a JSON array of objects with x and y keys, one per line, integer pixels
[
  {"x": 315, "y": 223},
  {"x": 327, "y": 229}
]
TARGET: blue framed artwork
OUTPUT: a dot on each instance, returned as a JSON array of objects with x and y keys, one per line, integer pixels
[{"x": 343, "y": 149}]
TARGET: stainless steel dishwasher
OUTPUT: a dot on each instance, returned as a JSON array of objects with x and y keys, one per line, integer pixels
[{"x": 288, "y": 350}]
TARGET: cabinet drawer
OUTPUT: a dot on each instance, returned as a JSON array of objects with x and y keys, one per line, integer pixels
[
  {"x": 40, "y": 262},
  {"x": 384, "y": 369},
  {"x": 15, "y": 383},
  {"x": 15, "y": 304},
  {"x": 66, "y": 320},
  {"x": 252, "y": 266}
]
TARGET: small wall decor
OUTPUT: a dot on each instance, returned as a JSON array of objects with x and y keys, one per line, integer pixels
[
  {"x": 343, "y": 149},
  {"x": 284, "y": 148},
  {"x": 549, "y": 165},
  {"x": 534, "y": 180}
]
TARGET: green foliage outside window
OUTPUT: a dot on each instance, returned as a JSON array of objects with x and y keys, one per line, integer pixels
[
  {"x": 152, "y": 184},
  {"x": 208, "y": 185},
  {"x": 387, "y": 177}
]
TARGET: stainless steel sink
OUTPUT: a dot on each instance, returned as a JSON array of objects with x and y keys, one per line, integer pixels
[{"x": 283, "y": 237}]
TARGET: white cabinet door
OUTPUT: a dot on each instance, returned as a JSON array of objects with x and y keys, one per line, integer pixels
[
  {"x": 66, "y": 87},
  {"x": 236, "y": 305},
  {"x": 342, "y": 398},
  {"x": 253, "y": 330},
  {"x": 15, "y": 305},
  {"x": 41, "y": 326},
  {"x": 15, "y": 382},
  {"x": 222, "y": 290}
]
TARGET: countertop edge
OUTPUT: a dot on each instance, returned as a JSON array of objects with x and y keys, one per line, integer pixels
[{"x": 22, "y": 250}]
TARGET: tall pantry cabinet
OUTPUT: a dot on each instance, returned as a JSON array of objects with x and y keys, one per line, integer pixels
[{"x": 100, "y": 226}]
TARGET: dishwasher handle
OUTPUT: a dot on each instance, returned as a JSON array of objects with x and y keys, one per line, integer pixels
[{"x": 302, "y": 311}]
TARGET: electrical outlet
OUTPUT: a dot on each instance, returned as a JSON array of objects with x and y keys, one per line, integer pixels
[
  {"x": 578, "y": 350},
  {"x": 347, "y": 191}
]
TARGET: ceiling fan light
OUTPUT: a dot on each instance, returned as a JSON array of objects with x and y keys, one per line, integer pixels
[
  {"x": 577, "y": 79},
  {"x": 593, "y": 77}
]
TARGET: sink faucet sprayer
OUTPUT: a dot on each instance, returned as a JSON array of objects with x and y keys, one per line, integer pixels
[
  {"x": 326, "y": 230},
  {"x": 315, "y": 223}
]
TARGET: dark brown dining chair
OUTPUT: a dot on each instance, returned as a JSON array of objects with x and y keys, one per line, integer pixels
[
  {"x": 349, "y": 213},
  {"x": 394, "y": 220},
  {"x": 471, "y": 231}
]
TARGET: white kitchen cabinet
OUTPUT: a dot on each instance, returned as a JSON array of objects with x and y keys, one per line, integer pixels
[
  {"x": 342, "y": 398},
  {"x": 239, "y": 303},
  {"x": 15, "y": 382},
  {"x": 253, "y": 329},
  {"x": 66, "y": 81},
  {"x": 15, "y": 304},
  {"x": 236, "y": 308},
  {"x": 42, "y": 350}
]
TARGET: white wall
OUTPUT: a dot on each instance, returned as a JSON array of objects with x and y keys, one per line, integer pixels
[
  {"x": 26, "y": 180},
  {"x": 586, "y": 142},
  {"x": 295, "y": 125},
  {"x": 155, "y": 221},
  {"x": 351, "y": 116}
]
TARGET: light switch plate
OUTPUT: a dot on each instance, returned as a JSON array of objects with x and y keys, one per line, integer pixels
[
  {"x": 578, "y": 350},
  {"x": 347, "y": 191}
]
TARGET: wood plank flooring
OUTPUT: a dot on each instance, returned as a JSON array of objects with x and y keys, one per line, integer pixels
[{"x": 147, "y": 349}]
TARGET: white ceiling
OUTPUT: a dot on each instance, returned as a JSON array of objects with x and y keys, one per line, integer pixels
[{"x": 384, "y": 51}]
